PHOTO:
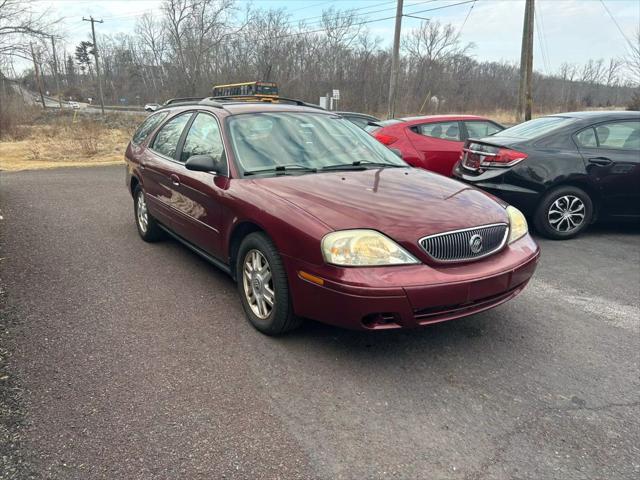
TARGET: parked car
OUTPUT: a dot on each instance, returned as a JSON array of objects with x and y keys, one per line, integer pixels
[
  {"x": 74, "y": 105},
  {"x": 360, "y": 119},
  {"x": 432, "y": 142},
  {"x": 151, "y": 107},
  {"x": 316, "y": 219},
  {"x": 564, "y": 171}
]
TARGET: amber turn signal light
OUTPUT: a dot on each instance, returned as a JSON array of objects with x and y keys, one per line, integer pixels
[{"x": 311, "y": 278}]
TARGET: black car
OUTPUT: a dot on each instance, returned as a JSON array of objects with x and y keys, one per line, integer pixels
[
  {"x": 359, "y": 119},
  {"x": 563, "y": 171}
]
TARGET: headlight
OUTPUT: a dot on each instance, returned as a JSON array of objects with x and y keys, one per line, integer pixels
[
  {"x": 363, "y": 248},
  {"x": 517, "y": 224}
]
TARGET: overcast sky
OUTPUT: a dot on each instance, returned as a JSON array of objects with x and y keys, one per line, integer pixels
[{"x": 567, "y": 30}]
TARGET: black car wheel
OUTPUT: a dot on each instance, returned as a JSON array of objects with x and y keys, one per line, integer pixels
[
  {"x": 563, "y": 213},
  {"x": 147, "y": 226},
  {"x": 263, "y": 286}
]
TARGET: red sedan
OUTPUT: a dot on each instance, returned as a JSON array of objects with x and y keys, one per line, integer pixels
[
  {"x": 313, "y": 218},
  {"x": 433, "y": 142}
]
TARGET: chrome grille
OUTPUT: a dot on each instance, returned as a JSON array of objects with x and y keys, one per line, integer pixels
[{"x": 462, "y": 245}]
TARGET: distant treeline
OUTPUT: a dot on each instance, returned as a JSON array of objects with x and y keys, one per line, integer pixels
[{"x": 194, "y": 44}]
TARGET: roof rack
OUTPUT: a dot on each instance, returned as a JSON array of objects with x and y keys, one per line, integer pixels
[
  {"x": 262, "y": 99},
  {"x": 192, "y": 101},
  {"x": 182, "y": 100}
]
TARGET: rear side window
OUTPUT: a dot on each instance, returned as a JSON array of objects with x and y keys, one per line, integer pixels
[
  {"x": 619, "y": 135},
  {"x": 149, "y": 125},
  {"x": 442, "y": 130},
  {"x": 587, "y": 138},
  {"x": 167, "y": 138},
  {"x": 480, "y": 129}
]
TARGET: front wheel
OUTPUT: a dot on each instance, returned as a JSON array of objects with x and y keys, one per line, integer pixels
[
  {"x": 263, "y": 286},
  {"x": 563, "y": 213}
]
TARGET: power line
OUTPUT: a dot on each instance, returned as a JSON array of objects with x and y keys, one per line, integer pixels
[
  {"x": 537, "y": 27},
  {"x": 617, "y": 25},
  {"x": 466, "y": 18},
  {"x": 543, "y": 35}
]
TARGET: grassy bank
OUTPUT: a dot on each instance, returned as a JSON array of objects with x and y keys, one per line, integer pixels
[{"x": 58, "y": 139}]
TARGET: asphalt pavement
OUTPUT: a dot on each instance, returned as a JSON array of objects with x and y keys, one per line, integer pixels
[{"x": 126, "y": 360}]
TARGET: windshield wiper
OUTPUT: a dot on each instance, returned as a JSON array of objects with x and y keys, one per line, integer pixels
[
  {"x": 282, "y": 169},
  {"x": 359, "y": 165}
]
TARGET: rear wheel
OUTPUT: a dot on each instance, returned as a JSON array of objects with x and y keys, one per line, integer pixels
[
  {"x": 147, "y": 226},
  {"x": 263, "y": 286},
  {"x": 563, "y": 213}
]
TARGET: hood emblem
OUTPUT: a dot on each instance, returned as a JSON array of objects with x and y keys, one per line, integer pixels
[{"x": 475, "y": 243}]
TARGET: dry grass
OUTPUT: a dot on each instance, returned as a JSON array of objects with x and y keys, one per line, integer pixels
[{"x": 57, "y": 141}]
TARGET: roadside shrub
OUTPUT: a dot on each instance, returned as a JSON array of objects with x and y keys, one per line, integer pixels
[
  {"x": 34, "y": 151},
  {"x": 634, "y": 104},
  {"x": 14, "y": 115},
  {"x": 87, "y": 136}
]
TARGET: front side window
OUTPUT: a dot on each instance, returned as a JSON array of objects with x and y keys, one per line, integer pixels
[
  {"x": 480, "y": 129},
  {"x": 167, "y": 138},
  {"x": 441, "y": 130},
  {"x": 203, "y": 138},
  {"x": 149, "y": 124},
  {"x": 264, "y": 141},
  {"x": 619, "y": 135}
]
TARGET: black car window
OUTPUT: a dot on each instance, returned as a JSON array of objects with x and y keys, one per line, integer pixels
[
  {"x": 480, "y": 129},
  {"x": 442, "y": 130},
  {"x": 203, "y": 138},
  {"x": 587, "y": 138},
  {"x": 535, "y": 128},
  {"x": 619, "y": 135},
  {"x": 146, "y": 127},
  {"x": 167, "y": 138},
  {"x": 359, "y": 121}
]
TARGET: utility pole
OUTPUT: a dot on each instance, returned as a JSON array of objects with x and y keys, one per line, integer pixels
[
  {"x": 37, "y": 72},
  {"x": 95, "y": 55},
  {"x": 525, "y": 99},
  {"x": 55, "y": 70},
  {"x": 395, "y": 63}
]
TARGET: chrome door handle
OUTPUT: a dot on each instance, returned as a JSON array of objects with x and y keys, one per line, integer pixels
[
  {"x": 601, "y": 161},
  {"x": 175, "y": 179}
]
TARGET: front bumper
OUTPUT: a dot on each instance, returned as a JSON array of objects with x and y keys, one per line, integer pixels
[{"x": 411, "y": 296}]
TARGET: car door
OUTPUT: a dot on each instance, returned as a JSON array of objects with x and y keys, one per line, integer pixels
[
  {"x": 199, "y": 193},
  {"x": 611, "y": 152},
  {"x": 438, "y": 143},
  {"x": 160, "y": 169}
]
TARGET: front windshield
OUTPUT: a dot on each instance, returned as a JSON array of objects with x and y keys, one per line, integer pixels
[
  {"x": 268, "y": 141},
  {"x": 534, "y": 128}
]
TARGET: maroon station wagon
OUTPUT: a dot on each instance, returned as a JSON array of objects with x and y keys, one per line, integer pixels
[{"x": 314, "y": 218}]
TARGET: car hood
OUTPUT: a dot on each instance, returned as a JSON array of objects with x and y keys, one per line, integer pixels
[{"x": 404, "y": 203}]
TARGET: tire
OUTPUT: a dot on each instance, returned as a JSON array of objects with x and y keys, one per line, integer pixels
[
  {"x": 563, "y": 213},
  {"x": 263, "y": 286},
  {"x": 149, "y": 231}
]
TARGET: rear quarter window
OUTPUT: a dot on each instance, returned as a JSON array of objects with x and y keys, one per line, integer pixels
[{"x": 148, "y": 126}]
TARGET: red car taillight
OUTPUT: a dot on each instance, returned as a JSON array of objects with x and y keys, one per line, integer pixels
[
  {"x": 504, "y": 158},
  {"x": 476, "y": 156},
  {"x": 385, "y": 139}
]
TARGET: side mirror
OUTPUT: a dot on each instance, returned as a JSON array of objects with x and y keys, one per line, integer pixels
[
  {"x": 397, "y": 151},
  {"x": 204, "y": 163}
]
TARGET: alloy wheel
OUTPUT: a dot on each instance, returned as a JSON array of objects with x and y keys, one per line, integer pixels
[
  {"x": 566, "y": 213},
  {"x": 142, "y": 214},
  {"x": 258, "y": 284}
]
